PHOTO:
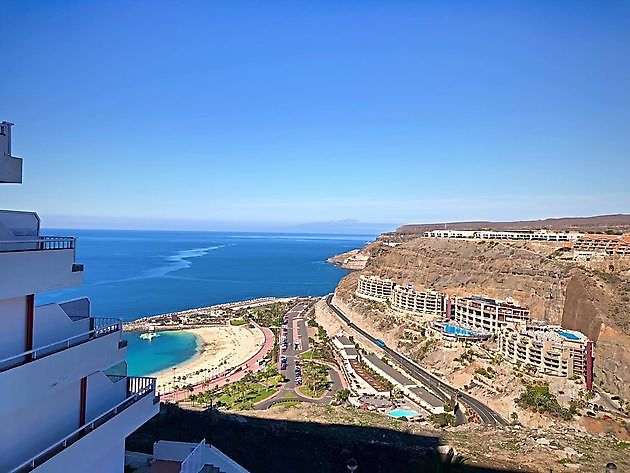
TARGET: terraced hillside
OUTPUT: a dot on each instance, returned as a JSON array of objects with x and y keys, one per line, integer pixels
[{"x": 591, "y": 297}]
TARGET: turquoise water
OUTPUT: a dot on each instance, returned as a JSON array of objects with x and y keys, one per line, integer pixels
[
  {"x": 568, "y": 335},
  {"x": 448, "y": 328},
  {"x": 130, "y": 274},
  {"x": 164, "y": 351},
  {"x": 402, "y": 413}
]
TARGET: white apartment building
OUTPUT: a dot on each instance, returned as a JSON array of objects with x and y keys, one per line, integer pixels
[
  {"x": 66, "y": 402},
  {"x": 602, "y": 245},
  {"x": 374, "y": 288},
  {"x": 538, "y": 235},
  {"x": 406, "y": 299},
  {"x": 551, "y": 349},
  {"x": 485, "y": 314}
]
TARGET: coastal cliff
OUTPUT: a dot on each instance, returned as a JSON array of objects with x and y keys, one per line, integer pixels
[{"x": 590, "y": 297}]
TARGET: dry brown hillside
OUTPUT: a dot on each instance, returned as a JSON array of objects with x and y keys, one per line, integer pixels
[
  {"x": 594, "y": 299},
  {"x": 602, "y": 223}
]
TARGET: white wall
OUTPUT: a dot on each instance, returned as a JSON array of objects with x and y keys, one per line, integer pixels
[
  {"x": 32, "y": 427},
  {"x": 53, "y": 372},
  {"x": 13, "y": 332},
  {"x": 103, "y": 394},
  {"x": 102, "y": 450},
  {"x": 30, "y": 272},
  {"x": 52, "y": 324}
]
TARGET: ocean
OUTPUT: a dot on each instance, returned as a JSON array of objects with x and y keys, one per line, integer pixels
[{"x": 130, "y": 274}]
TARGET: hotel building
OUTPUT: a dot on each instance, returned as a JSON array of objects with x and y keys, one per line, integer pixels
[
  {"x": 66, "y": 402},
  {"x": 374, "y": 288},
  {"x": 551, "y": 349},
  {"x": 484, "y": 314},
  {"x": 405, "y": 299},
  {"x": 602, "y": 245},
  {"x": 539, "y": 235}
]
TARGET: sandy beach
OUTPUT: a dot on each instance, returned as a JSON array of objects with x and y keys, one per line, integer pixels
[{"x": 220, "y": 349}]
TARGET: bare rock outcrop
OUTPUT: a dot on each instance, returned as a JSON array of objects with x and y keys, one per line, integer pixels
[{"x": 593, "y": 298}]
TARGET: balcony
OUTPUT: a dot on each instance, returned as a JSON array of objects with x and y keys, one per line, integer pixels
[
  {"x": 54, "y": 365},
  {"x": 38, "y": 264},
  {"x": 139, "y": 405}
]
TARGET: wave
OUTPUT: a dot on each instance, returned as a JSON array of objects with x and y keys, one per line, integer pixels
[{"x": 180, "y": 260}]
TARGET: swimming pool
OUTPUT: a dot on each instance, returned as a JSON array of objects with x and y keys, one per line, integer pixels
[
  {"x": 396, "y": 413},
  {"x": 454, "y": 330},
  {"x": 568, "y": 335}
]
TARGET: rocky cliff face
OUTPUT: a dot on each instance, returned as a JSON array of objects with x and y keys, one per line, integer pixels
[{"x": 594, "y": 299}]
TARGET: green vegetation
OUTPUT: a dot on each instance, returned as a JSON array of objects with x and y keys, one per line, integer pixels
[
  {"x": 342, "y": 395},
  {"x": 243, "y": 394},
  {"x": 509, "y": 446},
  {"x": 466, "y": 357},
  {"x": 538, "y": 398},
  {"x": 424, "y": 348},
  {"x": 443, "y": 420},
  {"x": 307, "y": 355},
  {"x": 486, "y": 372},
  {"x": 269, "y": 315},
  {"x": 238, "y": 322},
  {"x": 314, "y": 379}
]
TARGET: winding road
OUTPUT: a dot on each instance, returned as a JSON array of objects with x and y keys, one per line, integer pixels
[{"x": 485, "y": 413}]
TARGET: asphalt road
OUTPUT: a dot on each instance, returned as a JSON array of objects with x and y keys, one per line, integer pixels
[
  {"x": 443, "y": 390},
  {"x": 288, "y": 392}
]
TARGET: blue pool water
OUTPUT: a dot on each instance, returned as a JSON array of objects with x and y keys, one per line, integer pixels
[
  {"x": 454, "y": 330},
  {"x": 402, "y": 413},
  {"x": 568, "y": 335}
]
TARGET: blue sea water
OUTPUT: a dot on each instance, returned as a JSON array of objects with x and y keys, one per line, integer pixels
[
  {"x": 130, "y": 274},
  {"x": 163, "y": 351}
]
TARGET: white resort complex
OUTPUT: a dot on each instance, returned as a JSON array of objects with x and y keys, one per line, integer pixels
[
  {"x": 374, "y": 288},
  {"x": 538, "y": 235},
  {"x": 406, "y": 299},
  {"x": 486, "y": 314},
  {"x": 66, "y": 402},
  {"x": 550, "y": 349}
]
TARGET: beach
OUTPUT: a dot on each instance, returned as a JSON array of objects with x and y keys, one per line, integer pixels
[{"x": 220, "y": 349}]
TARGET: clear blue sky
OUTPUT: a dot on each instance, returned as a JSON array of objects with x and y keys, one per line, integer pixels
[{"x": 316, "y": 111}]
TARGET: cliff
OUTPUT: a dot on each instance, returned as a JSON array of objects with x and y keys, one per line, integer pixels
[
  {"x": 599, "y": 223},
  {"x": 591, "y": 297}
]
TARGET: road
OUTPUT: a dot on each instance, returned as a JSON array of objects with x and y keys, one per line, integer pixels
[
  {"x": 443, "y": 390},
  {"x": 297, "y": 342}
]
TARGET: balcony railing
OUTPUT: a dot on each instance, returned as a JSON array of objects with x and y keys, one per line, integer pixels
[
  {"x": 38, "y": 244},
  {"x": 137, "y": 388},
  {"x": 99, "y": 328},
  {"x": 193, "y": 463}
]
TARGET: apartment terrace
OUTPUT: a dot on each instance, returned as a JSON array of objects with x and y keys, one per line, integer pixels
[
  {"x": 138, "y": 389},
  {"x": 99, "y": 327}
]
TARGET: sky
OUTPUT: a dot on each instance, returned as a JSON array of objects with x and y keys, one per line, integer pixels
[{"x": 242, "y": 115}]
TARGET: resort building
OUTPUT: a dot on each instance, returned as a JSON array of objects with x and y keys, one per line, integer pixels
[
  {"x": 374, "y": 288},
  {"x": 538, "y": 235},
  {"x": 602, "y": 245},
  {"x": 405, "y": 299},
  {"x": 487, "y": 315},
  {"x": 346, "y": 348},
  {"x": 453, "y": 332},
  {"x": 551, "y": 349},
  {"x": 66, "y": 402}
]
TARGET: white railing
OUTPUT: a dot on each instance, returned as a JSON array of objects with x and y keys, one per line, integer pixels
[
  {"x": 38, "y": 244},
  {"x": 145, "y": 386},
  {"x": 193, "y": 463},
  {"x": 102, "y": 326}
]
